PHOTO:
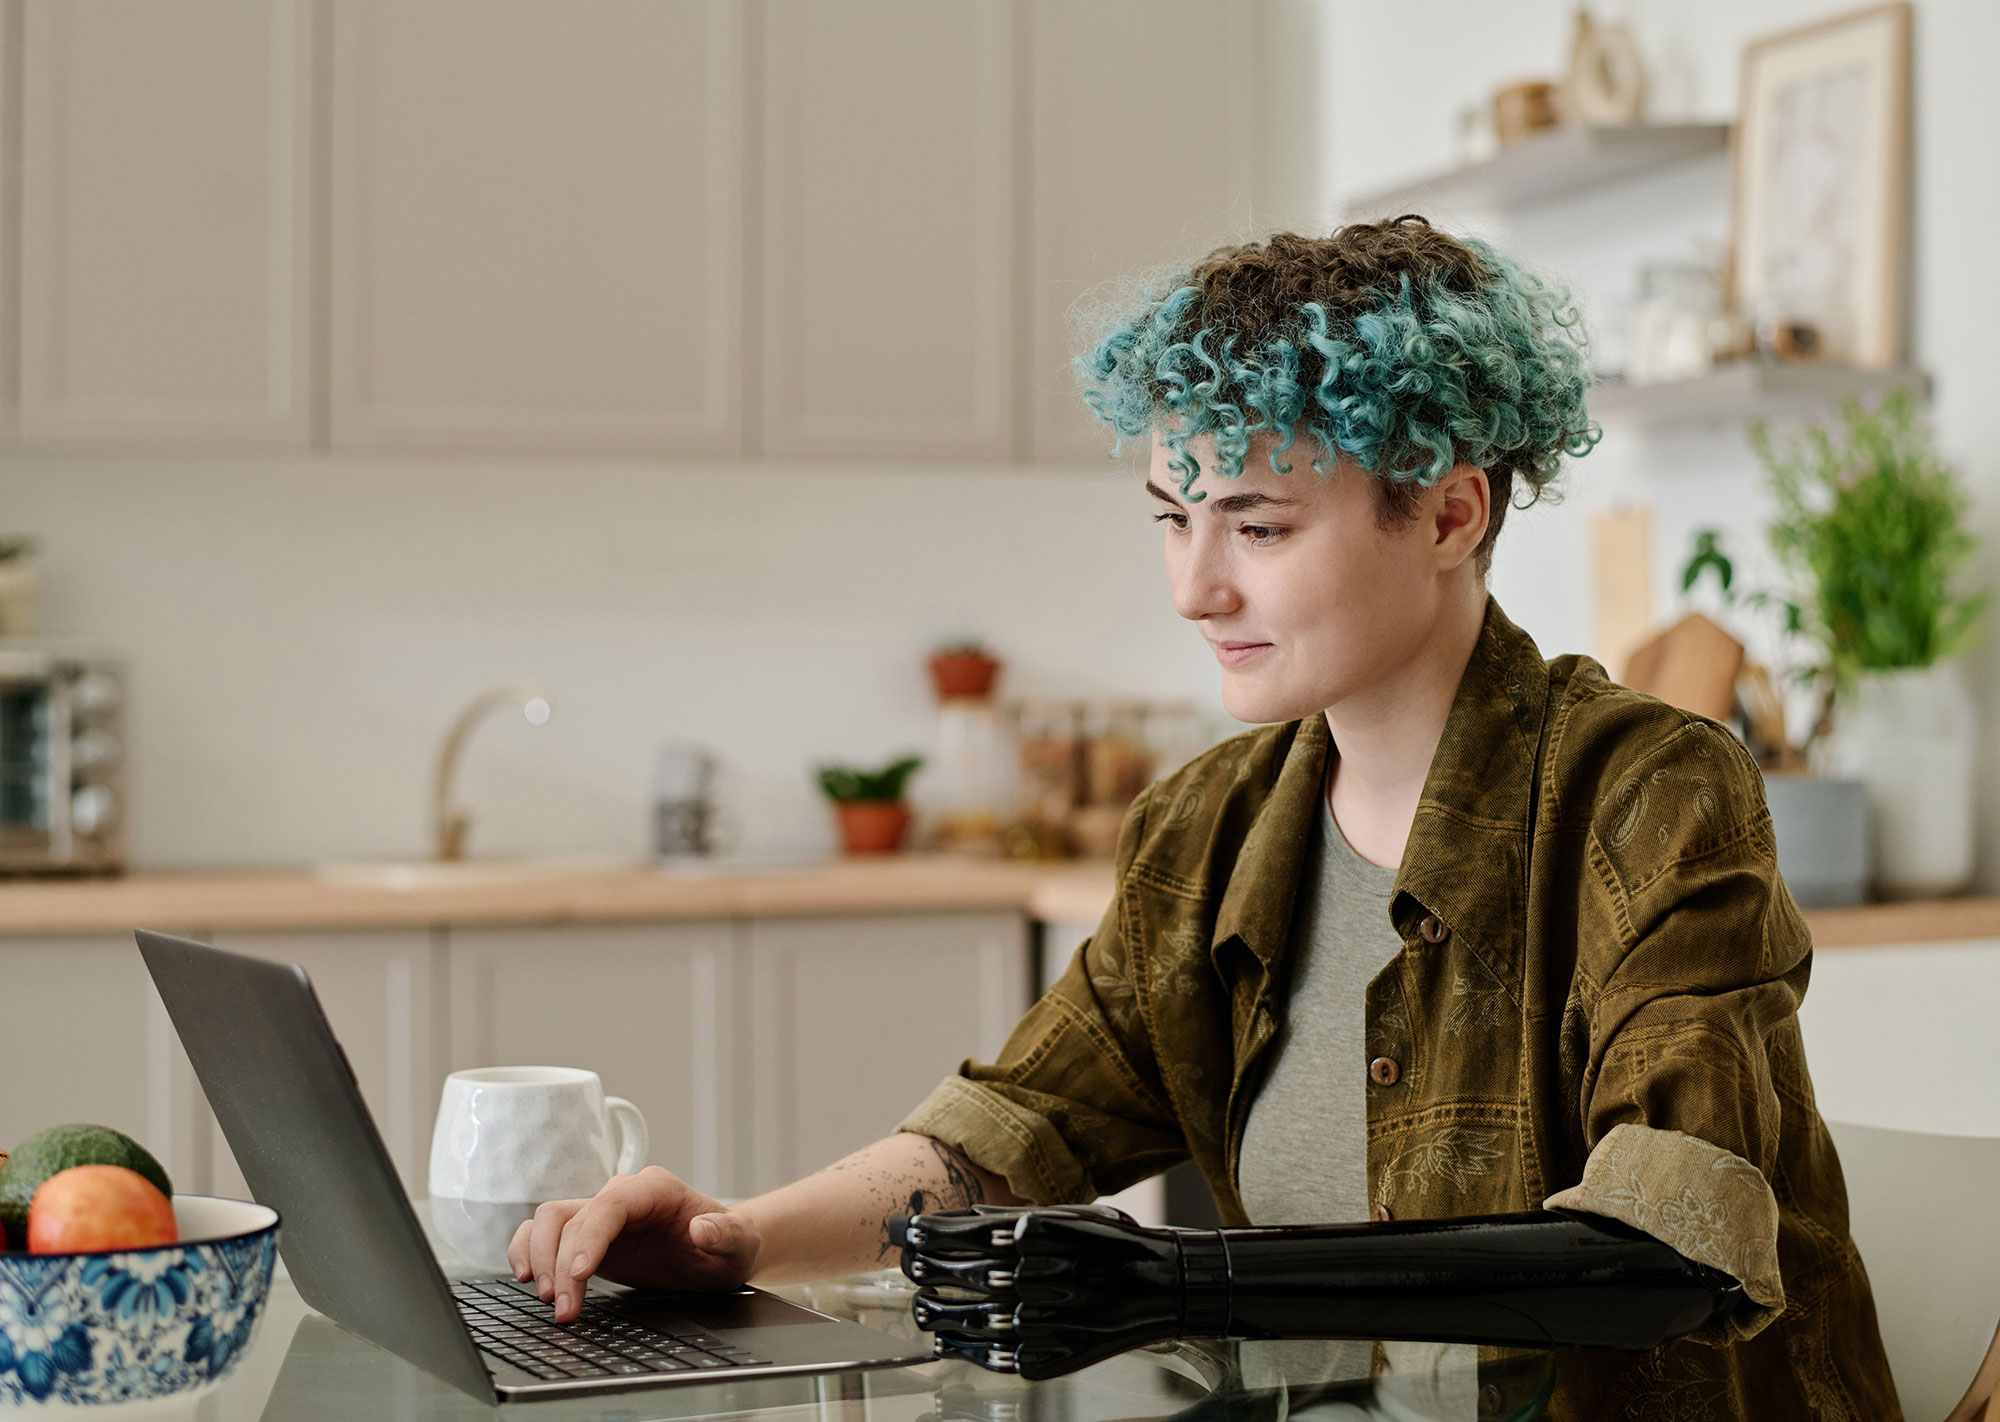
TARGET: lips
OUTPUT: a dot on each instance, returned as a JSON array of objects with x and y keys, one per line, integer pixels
[{"x": 1233, "y": 654}]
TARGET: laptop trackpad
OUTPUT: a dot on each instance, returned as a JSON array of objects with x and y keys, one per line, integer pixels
[{"x": 676, "y": 1313}]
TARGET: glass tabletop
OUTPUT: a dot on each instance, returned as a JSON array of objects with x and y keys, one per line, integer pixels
[{"x": 304, "y": 1366}]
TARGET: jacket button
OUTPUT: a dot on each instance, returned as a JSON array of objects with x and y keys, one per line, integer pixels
[
  {"x": 1380, "y": 1214},
  {"x": 1433, "y": 930},
  {"x": 1383, "y": 1071}
]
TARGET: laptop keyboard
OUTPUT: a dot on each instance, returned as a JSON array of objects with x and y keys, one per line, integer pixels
[{"x": 510, "y": 1323}]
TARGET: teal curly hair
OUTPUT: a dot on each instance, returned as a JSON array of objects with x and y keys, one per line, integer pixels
[{"x": 1405, "y": 349}]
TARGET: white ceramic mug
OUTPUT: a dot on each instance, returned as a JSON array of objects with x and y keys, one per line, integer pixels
[{"x": 508, "y": 1138}]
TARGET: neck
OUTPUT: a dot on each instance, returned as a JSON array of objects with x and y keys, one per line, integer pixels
[{"x": 1386, "y": 736}]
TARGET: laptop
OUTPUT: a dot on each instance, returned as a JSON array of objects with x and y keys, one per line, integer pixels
[{"x": 287, "y": 1101}]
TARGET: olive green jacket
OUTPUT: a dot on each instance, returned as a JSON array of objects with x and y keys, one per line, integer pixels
[{"x": 1595, "y": 1007}]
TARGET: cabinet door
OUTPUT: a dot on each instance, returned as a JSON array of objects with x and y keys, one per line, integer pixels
[
  {"x": 86, "y": 1039},
  {"x": 646, "y": 1008},
  {"x": 1131, "y": 168},
  {"x": 851, "y": 1022},
  {"x": 166, "y": 226},
  {"x": 10, "y": 224},
  {"x": 382, "y": 992},
  {"x": 889, "y": 210},
  {"x": 536, "y": 225}
]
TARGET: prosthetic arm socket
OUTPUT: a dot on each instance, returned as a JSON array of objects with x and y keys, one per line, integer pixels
[{"x": 1044, "y": 1291}]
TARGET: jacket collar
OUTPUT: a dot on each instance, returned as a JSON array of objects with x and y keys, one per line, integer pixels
[{"x": 1467, "y": 856}]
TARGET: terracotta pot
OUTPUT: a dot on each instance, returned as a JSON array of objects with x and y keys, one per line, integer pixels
[
  {"x": 962, "y": 672},
  {"x": 872, "y": 826}
]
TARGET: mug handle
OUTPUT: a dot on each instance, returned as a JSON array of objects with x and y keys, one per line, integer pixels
[{"x": 633, "y": 1139}]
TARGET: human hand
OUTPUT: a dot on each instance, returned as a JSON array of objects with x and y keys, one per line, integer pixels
[{"x": 652, "y": 1230}]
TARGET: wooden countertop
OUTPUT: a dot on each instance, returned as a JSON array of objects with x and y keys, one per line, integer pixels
[
  {"x": 297, "y": 900},
  {"x": 275, "y": 900}
]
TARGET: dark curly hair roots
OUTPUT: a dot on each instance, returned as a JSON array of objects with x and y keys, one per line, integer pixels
[{"x": 1403, "y": 348}]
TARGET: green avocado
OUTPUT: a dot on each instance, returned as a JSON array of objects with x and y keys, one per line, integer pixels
[{"x": 58, "y": 1148}]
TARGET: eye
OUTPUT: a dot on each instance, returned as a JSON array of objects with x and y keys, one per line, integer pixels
[
  {"x": 1261, "y": 533},
  {"x": 1178, "y": 521}
]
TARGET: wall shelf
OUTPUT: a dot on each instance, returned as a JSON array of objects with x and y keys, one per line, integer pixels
[
  {"x": 1750, "y": 390},
  {"x": 1565, "y": 160}
]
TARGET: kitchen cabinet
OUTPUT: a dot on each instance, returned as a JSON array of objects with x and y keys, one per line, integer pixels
[
  {"x": 759, "y": 1048},
  {"x": 1096, "y": 215},
  {"x": 852, "y": 1021},
  {"x": 647, "y": 1008},
  {"x": 890, "y": 198},
  {"x": 383, "y": 993},
  {"x": 536, "y": 225},
  {"x": 87, "y": 1039},
  {"x": 10, "y": 222},
  {"x": 166, "y": 223},
  {"x": 659, "y": 227}
]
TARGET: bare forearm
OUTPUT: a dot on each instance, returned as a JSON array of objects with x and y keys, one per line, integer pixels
[{"x": 837, "y": 1221}]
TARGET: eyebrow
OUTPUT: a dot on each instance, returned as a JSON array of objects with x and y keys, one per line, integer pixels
[{"x": 1233, "y": 503}]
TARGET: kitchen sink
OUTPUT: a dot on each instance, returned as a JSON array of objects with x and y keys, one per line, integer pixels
[{"x": 412, "y": 874}]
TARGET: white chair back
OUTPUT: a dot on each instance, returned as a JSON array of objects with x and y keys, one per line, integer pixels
[{"x": 1925, "y": 1213}]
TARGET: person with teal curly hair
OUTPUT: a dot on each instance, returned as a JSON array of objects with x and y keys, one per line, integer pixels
[{"x": 1454, "y": 935}]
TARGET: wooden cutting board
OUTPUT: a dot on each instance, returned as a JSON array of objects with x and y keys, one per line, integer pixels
[{"x": 1692, "y": 664}]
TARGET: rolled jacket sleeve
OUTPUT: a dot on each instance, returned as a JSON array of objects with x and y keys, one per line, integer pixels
[
  {"x": 1074, "y": 1107},
  {"x": 1680, "y": 1109}
]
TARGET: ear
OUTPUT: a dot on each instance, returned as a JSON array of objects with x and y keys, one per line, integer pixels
[{"x": 1461, "y": 504}]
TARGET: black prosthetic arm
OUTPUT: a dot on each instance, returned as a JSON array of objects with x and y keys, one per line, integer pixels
[{"x": 1044, "y": 1291}]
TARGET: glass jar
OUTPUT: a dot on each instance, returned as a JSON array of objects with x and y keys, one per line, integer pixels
[
  {"x": 970, "y": 775},
  {"x": 1678, "y": 303}
]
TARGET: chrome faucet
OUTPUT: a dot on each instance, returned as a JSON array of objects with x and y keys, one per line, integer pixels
[{"x": 449, "y": 826}]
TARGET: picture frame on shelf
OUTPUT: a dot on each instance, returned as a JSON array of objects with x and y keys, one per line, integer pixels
[{"x": 1820, "y": 187}]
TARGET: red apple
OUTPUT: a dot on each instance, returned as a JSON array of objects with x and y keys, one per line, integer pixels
[{"x": 91, "y": 1207}]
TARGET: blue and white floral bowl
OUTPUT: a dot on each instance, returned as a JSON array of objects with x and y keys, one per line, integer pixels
[{"x": 129, "y": 1324}]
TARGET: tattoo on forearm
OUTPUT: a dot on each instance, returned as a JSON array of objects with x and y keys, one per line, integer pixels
[{"x": 901, "y": 1195}]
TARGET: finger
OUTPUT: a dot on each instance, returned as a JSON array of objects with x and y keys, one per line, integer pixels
[
  {"x": 585, "y": 1237},
  {"x": 548, "y": 1227},
  {"x": 728, "y": 1239},
  {"x": 517, "y": 1250}
]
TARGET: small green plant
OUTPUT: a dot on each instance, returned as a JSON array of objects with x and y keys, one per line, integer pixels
[
  {"x": 844, "y": 784},
  {"x": 1868, "y": 538}
]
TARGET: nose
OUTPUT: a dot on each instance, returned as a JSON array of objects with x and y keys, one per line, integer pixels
[{"x": 1198, "y": 567}]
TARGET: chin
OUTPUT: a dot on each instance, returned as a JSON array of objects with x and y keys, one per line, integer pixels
[{"x": 1262, "y": 705}]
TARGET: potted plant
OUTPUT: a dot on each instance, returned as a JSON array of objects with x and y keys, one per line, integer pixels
[
  {"x": 963, "y": 669},
  {"x": 1869, "y": 539},
  {"x": 869, "y": 804}
]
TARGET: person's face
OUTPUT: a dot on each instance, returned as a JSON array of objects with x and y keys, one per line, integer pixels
[{"x": 1305, "y": 598}]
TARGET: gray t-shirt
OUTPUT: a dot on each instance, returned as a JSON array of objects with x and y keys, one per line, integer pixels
[{"x": 1305, "y": 1145}]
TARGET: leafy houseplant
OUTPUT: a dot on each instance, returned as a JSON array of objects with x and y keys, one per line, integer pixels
[
  {"x": 869, "y": 804},
  {"x": 1869, "y": 534},
  {"x": 1869, "y": 539}
]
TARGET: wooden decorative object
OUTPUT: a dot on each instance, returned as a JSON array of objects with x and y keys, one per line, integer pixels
[
  {"x": 1693, "y": 665},
  {"x": 1523, "y": 110},
  {"x": 1606, "y": 82}
]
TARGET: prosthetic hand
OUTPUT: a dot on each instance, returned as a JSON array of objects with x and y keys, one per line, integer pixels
[{"x": 1045, "y": 1291}]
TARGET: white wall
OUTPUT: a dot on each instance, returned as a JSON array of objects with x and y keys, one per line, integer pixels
[
  {"x": 302, "y": 631},
  {"x": 1399, "y": 73}
]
